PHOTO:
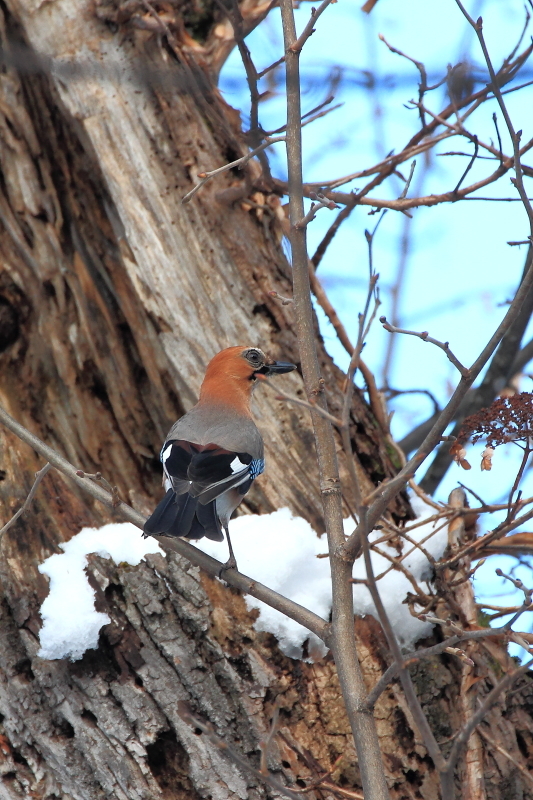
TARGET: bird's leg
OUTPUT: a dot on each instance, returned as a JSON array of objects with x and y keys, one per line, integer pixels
[{"x": 231, "y": 563}]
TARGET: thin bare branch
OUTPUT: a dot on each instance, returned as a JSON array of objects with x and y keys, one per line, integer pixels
[
  {"x": 285, "y": 301},
  {"x": 321, "y": 202},
  {"x": 423, "y": 85},
  {"x": 328, "y": 237},
  {"x": 528, "y": 593},
  {"x": 270, "y": 68},
  {"x": 427, "y": 338},
  {"x": 407, "y": 685},
  {"x": 38, "y": 478},
  {"x": 239, "y": 162},
  {"x": 447, "y": 415},
  {"x": 515, "y": 136},
  {"x": 471, "y": 724},
  {"x": 527, "y": 775},
  {"x": 308, "y": 114},
  {"x": 470, "y": 165},
  {"x": 309, "y": 29},
  {"x": 428, "y": 652}
]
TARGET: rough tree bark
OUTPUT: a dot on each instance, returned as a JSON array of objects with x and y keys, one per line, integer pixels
[{"x": 113, "y": 296}]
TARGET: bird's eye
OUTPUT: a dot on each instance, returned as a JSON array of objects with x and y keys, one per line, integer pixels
[{"x": 255, "y": 357}]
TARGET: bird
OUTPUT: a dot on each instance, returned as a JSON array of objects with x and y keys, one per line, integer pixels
[{"x": 212, "y": 455}]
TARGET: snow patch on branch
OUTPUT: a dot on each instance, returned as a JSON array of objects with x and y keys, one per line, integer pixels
[
  {"x": 280, "y": 551},
  {"x": 395, "y": 585},
  {"x": 277, "y": 549},
  {"x": 71, "y": 624}
]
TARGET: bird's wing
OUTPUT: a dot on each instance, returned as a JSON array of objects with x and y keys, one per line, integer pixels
[
  {"x": 176, "y": 457},
  {"x": 207, "y": 471}
]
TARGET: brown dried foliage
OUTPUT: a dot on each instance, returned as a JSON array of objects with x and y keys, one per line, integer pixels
[{"x": 507, "y": 419}]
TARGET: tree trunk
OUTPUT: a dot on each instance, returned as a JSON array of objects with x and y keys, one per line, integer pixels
[{"x": 113, "y": 296}]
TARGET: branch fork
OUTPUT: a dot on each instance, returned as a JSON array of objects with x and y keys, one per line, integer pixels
[{"x": 322, "y": 202}]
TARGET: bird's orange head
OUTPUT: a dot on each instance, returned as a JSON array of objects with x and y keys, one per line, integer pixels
[{"x": 232, "y": 374}]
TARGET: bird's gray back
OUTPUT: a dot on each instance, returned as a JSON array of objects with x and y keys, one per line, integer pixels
[{"x": 219, "y": 425}]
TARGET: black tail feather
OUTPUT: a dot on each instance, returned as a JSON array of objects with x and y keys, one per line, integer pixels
[
  {"x": 196, "y": 531},
  {"x": 186, "y": 509},
  {"x": 163, "y": 516},
  {"x": 208, "y": 519},
  {"x": 182, "y": 515}
]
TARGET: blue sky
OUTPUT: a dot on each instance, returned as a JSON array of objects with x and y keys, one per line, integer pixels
[{"x": 460, "y": 269}]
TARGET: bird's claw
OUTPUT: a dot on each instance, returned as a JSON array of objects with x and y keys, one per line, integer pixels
[{"x": 230, "y": 564}]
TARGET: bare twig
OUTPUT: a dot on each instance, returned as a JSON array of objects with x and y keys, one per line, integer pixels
[
  {"x": 418, "y": 715},
  {"x": 320, "y": 114},
  {"x": 473, "y": 722},
  {"x": 528, "y": 593},
  {"x": 446, "y": 416},
  {"x": 515, "y": 136},
  {"x": 425, "y": 139},
  {"x": 391, "y": 393},
  {"x": 527, "y": 775},
  {"x": 373, "y": 393},
  {"x": 97, "y": 476},
  {"x": 397, "y": 287},
  {"x": 423, "y": 85},
  {"x": 427, "y": 338},
  {"x": 495, "y": 120},
  {"x": 239, "y": 162},
  {"x": 435, "y": 650},
  {"x": 309, "y": 28},
  {"x": 271, "y": 67},
  {"x": 469, "y": 167},
  {"x": 328, "y": 238},
  {"x": 310, "y": 114},
  {"x": 363, "y": 329},
  {"x": 38, "y": 478},
  {"x": 480, "y": 544},
  {"x": 322, "y": 202},
  {"x": 285, "y": 301}
]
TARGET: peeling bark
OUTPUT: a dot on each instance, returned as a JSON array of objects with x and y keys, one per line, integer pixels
[{"x": 113, "y": 296}]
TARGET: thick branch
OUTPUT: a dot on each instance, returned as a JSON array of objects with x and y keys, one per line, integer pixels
[
  {"x": 343, "y": 637},
  {"x": 311, "y": 621}
]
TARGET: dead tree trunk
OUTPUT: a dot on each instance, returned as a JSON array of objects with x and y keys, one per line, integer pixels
[{"x": 113, "y": 296}]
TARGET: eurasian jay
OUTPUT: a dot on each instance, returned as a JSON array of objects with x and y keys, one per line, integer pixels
[{"x": 213, "y": 454}]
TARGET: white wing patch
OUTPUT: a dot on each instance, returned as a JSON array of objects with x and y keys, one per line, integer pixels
[
  {"x": 166, "y": 452},
  {"x": 237, "y": 465}
]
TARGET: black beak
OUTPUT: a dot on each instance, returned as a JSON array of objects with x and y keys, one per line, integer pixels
[{"x": 277, "y": 368}]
